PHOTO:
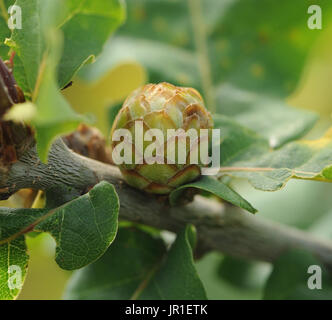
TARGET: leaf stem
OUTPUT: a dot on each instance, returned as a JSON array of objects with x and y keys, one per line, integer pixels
[
  {"x": 245, "y": 169},
  {"x": 200, "y": 37},
  {"x": 28, "y": 228},
  {"x": 39, "y": 77},
  {"x": 258, "y": 169},
  {"x": 315, "y": 175},
  {"x": 145, "y": 281}
]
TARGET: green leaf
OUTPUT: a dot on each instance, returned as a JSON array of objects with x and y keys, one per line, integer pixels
[
  {"x": 55, "y": 115},
  {"x": 238, "y": 143},
  {"x": 85, "y": 33},
  {"x": 29, "y": 42},
  {"x": 13, "y": 250},
  {"x": 39, "y": 48},
  {"x": 217, "y": 188},
  {"x": 138, "y": 266},
  {"x": 121, "y": 270},
  {"x": 5, "y": 33},
  {"x": 85, "y": 227},
  {"x": 289, "y": 278},
  {"x": 270, "y": 117},
  {"x": 245, "y": 154},
  {"x": 178, "y": 266},
  {"x": 82, "y": 228},
  {"x": 85, "y": 26},
  {"x": 43, "y": 67},
  {"x": 12, "y": 255},
  {"x": 327, "y": 172},
  {"x": 302, "y": 159}
]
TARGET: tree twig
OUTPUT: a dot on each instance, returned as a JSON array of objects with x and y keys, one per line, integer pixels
[{"x": 219, "y": 226}]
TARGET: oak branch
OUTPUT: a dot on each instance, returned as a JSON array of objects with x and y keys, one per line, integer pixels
[{"x": 220, "y": 226}]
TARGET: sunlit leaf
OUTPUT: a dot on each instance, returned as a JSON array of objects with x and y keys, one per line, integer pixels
[
  {"x": 21, "y": 112},
  {"x": 247, "y": 155},
  {"x": 43, "y": 67}
]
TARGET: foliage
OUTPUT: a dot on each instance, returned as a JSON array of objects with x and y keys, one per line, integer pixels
[
  {"x": 216, "y": 188},
  {"x": 245, "y": 56},
  {"x": 142, "y": 269},
  {"x": 83, "y": 229},
  {"x": 52, "y": 49}
]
